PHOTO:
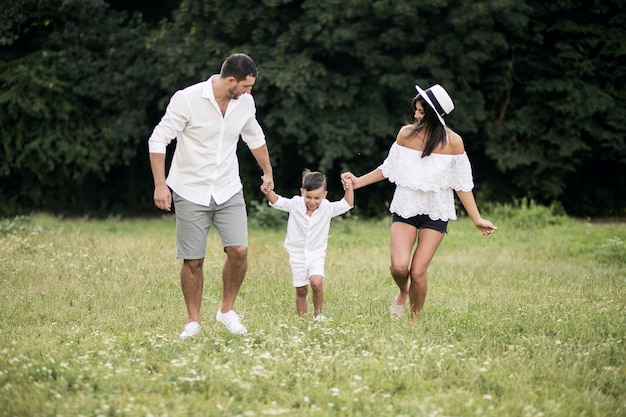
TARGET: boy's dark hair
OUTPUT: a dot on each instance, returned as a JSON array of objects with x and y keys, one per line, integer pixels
[
  {"x": 239, "y": 66},
  {"x": 313, "y": 180}
]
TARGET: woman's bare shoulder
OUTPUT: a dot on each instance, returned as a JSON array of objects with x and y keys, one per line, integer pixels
[
  {"x": 455, "y": 144},
  {"x": 406, "y": 133}
]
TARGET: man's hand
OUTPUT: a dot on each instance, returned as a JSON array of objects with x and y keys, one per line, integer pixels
[
  {"x": 163, "y": 197},
  {"x": 268, "y": 183}
]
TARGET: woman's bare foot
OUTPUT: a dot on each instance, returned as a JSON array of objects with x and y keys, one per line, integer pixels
[{"x": 397, "y": 309}]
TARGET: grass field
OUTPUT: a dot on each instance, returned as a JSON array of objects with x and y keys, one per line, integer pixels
[{"x": 528, "y": 322}]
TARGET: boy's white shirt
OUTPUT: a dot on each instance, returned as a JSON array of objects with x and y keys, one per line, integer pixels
[{"x": 307, "y": 236}]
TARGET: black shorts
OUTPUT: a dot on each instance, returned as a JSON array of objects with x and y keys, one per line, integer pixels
[{"x": 422, "y": 221}]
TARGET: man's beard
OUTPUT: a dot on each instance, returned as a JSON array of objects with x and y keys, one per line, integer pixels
[{"x": 233, "y": 95}]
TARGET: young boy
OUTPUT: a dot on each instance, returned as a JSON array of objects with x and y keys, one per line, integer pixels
[{"x": 307, "y": 234}]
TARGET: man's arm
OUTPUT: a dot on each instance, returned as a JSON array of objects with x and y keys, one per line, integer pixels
[
  {"x": 162, "y": 195},
  {"x": 262, "y": 157}
]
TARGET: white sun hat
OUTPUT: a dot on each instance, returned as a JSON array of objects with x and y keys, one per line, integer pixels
[{"x": 439, "y": 99}]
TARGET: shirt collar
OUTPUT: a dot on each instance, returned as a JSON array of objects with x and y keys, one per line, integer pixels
[
  {"x": 207, "y": 91},
  {"x": 304, "y": 208}
]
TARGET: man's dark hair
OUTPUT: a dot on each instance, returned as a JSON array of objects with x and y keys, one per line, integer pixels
[
  {"x": 313, "y": 180},
  {"x": 239, "y": 66}
]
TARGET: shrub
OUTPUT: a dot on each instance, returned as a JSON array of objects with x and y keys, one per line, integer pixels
[
  {"x": 263, "y": 216},
  {"x": 527, "y": 214}
]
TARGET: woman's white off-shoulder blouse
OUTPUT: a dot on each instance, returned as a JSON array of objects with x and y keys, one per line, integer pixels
[{"x": 426, "y": 185}]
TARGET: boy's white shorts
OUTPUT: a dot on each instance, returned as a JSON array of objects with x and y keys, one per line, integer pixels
[{"x": 303, "y": 269}]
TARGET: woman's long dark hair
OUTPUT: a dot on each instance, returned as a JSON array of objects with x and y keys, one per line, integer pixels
[{"x": 434, "y": 131}]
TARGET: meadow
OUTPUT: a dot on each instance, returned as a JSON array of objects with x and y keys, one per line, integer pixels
[{"x": 530, "y": 322}]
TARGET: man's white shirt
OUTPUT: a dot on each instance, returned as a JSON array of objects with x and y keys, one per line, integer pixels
[{"x": 205, "y": 163}]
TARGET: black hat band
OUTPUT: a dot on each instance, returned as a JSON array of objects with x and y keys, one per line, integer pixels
[{"x": 433, "y": 100}]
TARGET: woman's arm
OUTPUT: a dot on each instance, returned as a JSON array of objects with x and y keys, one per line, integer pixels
[
  {"x": 469, "y": 203},
  {"x": 364, "y": 180}
]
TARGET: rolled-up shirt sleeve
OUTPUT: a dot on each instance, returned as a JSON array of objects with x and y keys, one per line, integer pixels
[{"x": 252, "y": 133}]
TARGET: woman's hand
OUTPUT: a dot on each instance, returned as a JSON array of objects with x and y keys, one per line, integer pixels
[
  {"x": 350, "y": 178},
  {"x": 347, "y": 180},
  {"x": 485, "y": 227}
]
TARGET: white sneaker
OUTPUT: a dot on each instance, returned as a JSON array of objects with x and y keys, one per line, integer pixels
[
  {"x": 231, "y": 321},
  {"x": 191, "y": 329}
]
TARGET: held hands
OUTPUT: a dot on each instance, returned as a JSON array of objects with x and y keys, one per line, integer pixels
[
  {"x": 268, "y": 184},
  {"x": 346, "y": 180}
]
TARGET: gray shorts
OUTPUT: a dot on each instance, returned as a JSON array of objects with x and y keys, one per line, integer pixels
[{"x": 193, "y": 222}]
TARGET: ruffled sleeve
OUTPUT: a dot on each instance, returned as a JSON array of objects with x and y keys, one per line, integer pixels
[{"x": 461, "y": 173}]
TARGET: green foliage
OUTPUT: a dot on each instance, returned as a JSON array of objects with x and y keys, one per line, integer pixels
[
  {"x": 559, "y": 107},
  {"x": 263, "y": 216},
  {"x": 526, "y": 214},
  {"x": 75, "y": 104},
  {"x": 16, "y": 225},
  {"x": 613, "y": 251}
]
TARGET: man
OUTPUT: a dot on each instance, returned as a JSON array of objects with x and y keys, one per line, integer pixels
[{"x": 207, "y": 119}]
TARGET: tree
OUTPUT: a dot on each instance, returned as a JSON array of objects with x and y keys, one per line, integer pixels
[
  {"x": 555, "y": 128},
  {"x": 74, "y": 89}
]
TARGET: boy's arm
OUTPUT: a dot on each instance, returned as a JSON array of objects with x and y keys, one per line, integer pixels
[
  {"x": 347, "y": 180},
  {"x": 271, "y": 196},
  {"x": 348, "y": 193}
]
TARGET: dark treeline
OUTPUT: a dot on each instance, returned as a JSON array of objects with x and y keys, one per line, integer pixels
[{"x": 538, "y": 88}]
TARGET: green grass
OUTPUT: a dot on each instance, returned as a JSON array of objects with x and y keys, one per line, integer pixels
[{"x": 528, "y": 322}]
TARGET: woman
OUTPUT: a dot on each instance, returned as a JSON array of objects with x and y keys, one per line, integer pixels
[{"x": 426, "y": 163}]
